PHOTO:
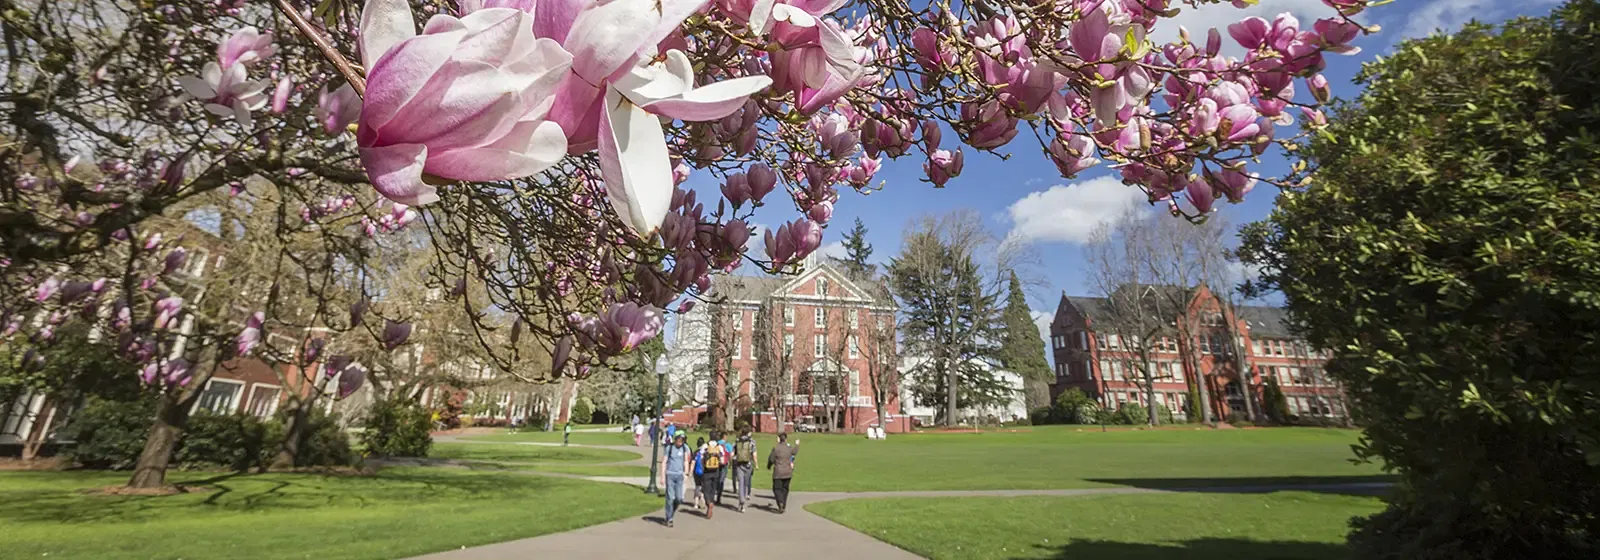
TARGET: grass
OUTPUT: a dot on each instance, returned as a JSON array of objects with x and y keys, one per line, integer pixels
[
  {"x": 528, "y": 453},
  {"x": 584, "y": 438},
  {"x": 595, "y": 470},
  {"x": 395, "y": 513},
  {"x": 1193, "y": 526},
  {"x": 1072, "y": 457}
]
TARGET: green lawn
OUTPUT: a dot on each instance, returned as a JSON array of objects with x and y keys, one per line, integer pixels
[
  {"x": 395, "y": 513},
  {"x": 585, "y": 438},
  {"x": 528, "y": 453},
  {"x": 1072, "y": 457},
  {"x": 1191, "y": 526}
]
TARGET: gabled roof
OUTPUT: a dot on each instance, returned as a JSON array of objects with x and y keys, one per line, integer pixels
[
  {"x": 1266, "y": 322},
  {"x": 747, "y": 288},
  {"x": 753, "y": 289},
  {"x": 1088, "y": 306}
]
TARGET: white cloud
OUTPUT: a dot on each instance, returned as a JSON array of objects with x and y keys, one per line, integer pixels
[
  {"x": 1220, "y": 15},
  {"x": 1042, "y": 320},
  {"x": 1450, "y": 15},
  {"x": 1070, "y": 213},
  {"x": 835, "y": 250}
]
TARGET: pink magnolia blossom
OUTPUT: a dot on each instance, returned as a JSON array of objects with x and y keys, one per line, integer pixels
[
  {"x": 245, "y": 46},
  {"x": 350, "y": 380},
  {"x": 736, "y": 188},
  {"x": 883, "y": 137},
  {"x": 943, "y": 165},
  {"x": 167, "y": 310},
  {"x": 617, "y": 89},
  {"x": 1314, "y": 117},
  {"x": 1337, "y": 34},
  {"x": 251, "y": 335},
  {"x": 1200, "y": 194},
  {"x": 821, "y": 212},
  {"x": 860, "y": 175},
  {"x": 395, "y": 334},
  {"x": 933, "y": 54},
  {"x": 280, "y": 95},
  {"x": 47, "y": 289},
  {"x": 762, "y": 181},
  {"x": 228, "y": 92},
  {"x": 465, "y": 100},
  {"x": 1072, "y": 153},
  {"x": 1318, "y": 84},
  {"x": 820, "y": 61},
  {"x": 992, "y": 125},
  {"x": 1233, "y": 183},
  {"x": 337, "y": 110},
  {"x": 623, "y": 326}
]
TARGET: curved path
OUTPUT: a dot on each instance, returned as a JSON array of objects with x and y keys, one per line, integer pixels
[{"x": 761, "y": 532}]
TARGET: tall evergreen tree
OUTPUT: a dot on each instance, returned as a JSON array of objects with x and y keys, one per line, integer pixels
[
  {"x": 1021, "y": 347},
  {"x": 951, "y": 319},
  {"x": 857, "y": 250}
]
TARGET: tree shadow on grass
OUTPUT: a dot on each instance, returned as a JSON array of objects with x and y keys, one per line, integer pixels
[
  {"x": 1197, "y": 549},
  {"x": 1370, "y": 485}
]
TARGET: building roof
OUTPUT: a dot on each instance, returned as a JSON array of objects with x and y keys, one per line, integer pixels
[
  {"x": 756, "y": 288},
  {"x": 1088, "y": 306},
  {"x": 748, "y": 288},
  {"x": 1266, "y": 322}
]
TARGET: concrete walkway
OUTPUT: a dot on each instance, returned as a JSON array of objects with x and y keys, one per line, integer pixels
[{"x": 761, "y": 532}]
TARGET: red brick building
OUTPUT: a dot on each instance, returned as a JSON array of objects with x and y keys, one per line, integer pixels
[
  {"x": 804, "y": 346},
  {"x": 1103, "y": 365}
]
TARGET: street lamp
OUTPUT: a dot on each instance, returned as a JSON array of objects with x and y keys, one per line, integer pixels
[{"x": 655, "y": 442}]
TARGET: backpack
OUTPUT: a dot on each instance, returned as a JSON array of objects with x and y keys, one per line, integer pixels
[
  {"x": 713, "y": 456},
  {"x": 745, "y": 452}
]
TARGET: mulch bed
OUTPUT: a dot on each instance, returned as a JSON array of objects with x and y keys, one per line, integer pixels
[
  {"x": 168, "y": 490},
  {"x": 45, "y": 464}
]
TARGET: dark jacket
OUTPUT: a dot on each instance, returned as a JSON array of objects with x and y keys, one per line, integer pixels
[{"x": 781, "y": 460}]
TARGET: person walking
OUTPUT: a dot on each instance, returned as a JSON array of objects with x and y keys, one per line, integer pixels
[
  {"x": 566, "y": 434},
  {"x": 781, "y": 462},
  {"x": 744, "y": 466},
  {"x": 699, "y": 472},
  {"x": 638, "y": 434},
  {"x": 714, "y": 458},
  {"x": 674, "y": 468}
]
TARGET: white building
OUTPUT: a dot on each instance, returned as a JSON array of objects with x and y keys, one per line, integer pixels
[{"x": 1015, "y": 408}]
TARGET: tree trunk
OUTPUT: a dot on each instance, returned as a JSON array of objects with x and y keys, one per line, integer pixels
[
  {"x": 1150, "y": 394},
  {"x": 172, "y": 416},
  {"x": 295, "y": 424},
  {"x": 40, "y": 429}
]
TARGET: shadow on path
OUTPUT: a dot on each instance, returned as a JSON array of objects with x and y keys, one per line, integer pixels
[
  {"x": 1374, "y": 485},
  {"x": 1198, "y": 549}
]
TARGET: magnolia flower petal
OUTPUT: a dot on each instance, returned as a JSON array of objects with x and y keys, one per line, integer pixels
[
  {"x": 554, "y": 18},
  {"x": 401, "y": 73},
  {"x": 197, "y": 87},
  {"x": 604, "y": 38},
  {"x": 396, "y": 173},
  {"x": 710, "y": 102},
  {"x": 530, "y": 147},
  {"x": 634, "y": 164},
  {"x": 212, "y": 74},
  {"x": 760, "y": 16},
  {"x": 384, "y": 23},
  {"x": 465, "y": 100},
  {"x": 496, "y": 35},
  {"x": 794, "y": 16}
]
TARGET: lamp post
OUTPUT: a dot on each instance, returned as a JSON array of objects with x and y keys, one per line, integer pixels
[{"x": 655, "y": 442}]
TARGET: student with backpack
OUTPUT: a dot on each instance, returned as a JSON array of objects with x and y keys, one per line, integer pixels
[
  {"x": 744, "y": 466},
  {"x": 699, "y": 473},
  {"x": 715, "y": 457},
  {"x": 727, "y": 467}
]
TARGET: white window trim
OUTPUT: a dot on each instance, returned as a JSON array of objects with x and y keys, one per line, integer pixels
[
  {"x": 819, "y": 318},
  {"x": 252, "y": 393},
  {"x": 236, "y": 399},
  {"x": 788, "y": 315}
]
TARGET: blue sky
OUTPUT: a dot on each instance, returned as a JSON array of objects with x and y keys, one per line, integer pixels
[{"x": 1025, "y": 196}]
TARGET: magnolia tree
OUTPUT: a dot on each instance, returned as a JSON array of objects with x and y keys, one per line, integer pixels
[{"x": 541, "y": 143}]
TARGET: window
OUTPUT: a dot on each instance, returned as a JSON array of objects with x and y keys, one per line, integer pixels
[
  {"x": 855, "y": 347},
  {"x": 263, "y": 400},
  {"x": 1105, "y": 368},
  {"x": 819, "y": 319},
  {"x": 220, "y": 396},
  {"x": 822, "y": 287},
  {"x": 1177, "y": 372},
  {"x": 738, "y": 321},
  {"x": 1083, "y": 340},
  {"x": 738, "y": 345},
  {"x": 1116, "y": 342},
  {"x": 1116, "y": 370},
  {"x": 1205, "y": 344},
  {"x": 1100, "y": 341},
  {"x": 855, "y": 320},
  {"x": 819, "y": 345},
  {"x": 1255, "y": 347},
  {"x": 1088, "y": 370},
  {"x": 1277, "y": 348},
  {"x": 788, "y": 342}
]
